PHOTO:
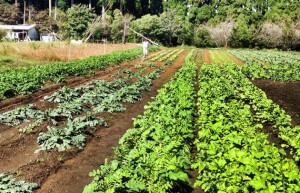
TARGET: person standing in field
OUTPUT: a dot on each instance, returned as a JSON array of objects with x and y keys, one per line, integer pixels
[{"x": 145, "y": 45}]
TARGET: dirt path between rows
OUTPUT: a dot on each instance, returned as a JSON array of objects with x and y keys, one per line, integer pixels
[
  {"x": 72, "y": 176},
  {"x": 206, "y": 57}
]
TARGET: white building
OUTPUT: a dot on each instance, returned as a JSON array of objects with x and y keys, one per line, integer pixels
[{"x": 21, "y": 32}]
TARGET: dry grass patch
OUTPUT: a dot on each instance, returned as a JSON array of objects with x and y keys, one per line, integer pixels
[{"x": 58, "y": 51}]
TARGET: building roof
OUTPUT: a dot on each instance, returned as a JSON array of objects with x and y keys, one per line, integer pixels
[{"x": 17, "y": 27}]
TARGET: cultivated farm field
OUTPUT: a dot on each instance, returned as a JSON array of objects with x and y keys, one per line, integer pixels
[{"x": 180, "y": 120}]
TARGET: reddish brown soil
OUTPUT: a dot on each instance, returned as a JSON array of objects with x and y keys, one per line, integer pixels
[
  {"x": 206, "y": 57},
  {"x": 193, "y": 174},
  {"x": 287, "y": 96},
  {"x": 233, "y": 58},
  {"x": 68, "y": 171}
]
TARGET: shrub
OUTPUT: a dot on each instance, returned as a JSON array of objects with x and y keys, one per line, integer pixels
[
  {"x": 2, "y": 34},
  {"x": 202, "y": 38}
]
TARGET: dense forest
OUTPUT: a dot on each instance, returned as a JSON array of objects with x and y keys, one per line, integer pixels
[{"x": 203, "y": 23}]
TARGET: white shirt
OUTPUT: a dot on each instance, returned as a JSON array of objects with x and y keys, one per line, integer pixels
[{"x": 145, "y": 44}]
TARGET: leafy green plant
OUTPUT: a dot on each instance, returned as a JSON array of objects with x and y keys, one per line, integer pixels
[
  {"x": 20, "y": 114},
  {"x": 66, "y": 110},
  {"x": 271, "y": 65},
  {"x": 109, "y": 105},
  {"x": 9, "y": 184},
  {"x": 72, "y": 135},
  {"x": 66, "y": 94}
]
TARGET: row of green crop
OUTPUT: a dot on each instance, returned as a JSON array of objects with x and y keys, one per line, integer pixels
[
  {"x": 219, "y": 57},
  {"x": 169, "y": 54},
  {"x": 158, "y": 55},
  {"x": 273, "y": 71},
  {"x": 232, "y": 155},
  {"x": 154, "y": 154},
  {"x": 173, "y": 56},
  {"x": 265, "y": 110},
  {"x": 271, "y": 57},
  {"x": 28, "y": 80},
  {"x": 283, "y": 69},
  {"x": 244, "y": 57}
]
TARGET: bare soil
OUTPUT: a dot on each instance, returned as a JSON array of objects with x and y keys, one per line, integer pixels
[
  {"x": 206, "y": 57},
  {"x": 192, "y": 172},
  {"x": 285, "y": 94}
]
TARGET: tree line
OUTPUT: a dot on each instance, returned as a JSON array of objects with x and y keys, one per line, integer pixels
[{"x": 203, "y": 23}]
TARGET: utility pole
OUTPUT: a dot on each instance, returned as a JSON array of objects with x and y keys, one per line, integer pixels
[
  {"x": 50, "y": 7},
  {"x": 55, "y": 9},
  {"x": 103, "y": 11},
  {"x": 24, "y": 15},
  {"x": 90, "y": 4},
  {"x": 121, "y": 6},
  {"x": 29, "y": 13}
]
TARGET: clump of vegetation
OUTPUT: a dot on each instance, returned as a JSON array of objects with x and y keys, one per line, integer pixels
[
  {"x": 2, "y": 34},
  {"x": 9, "y": 184}
]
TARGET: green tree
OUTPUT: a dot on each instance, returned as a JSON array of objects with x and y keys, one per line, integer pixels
[
  {"x": 202, "y": 38},
  {"x": 119, "y": 26},
  {"x": 146, "y": 25},
  {"x": 242, "y": 34},
  {"x": 78, "y": 19},
  {"x": 62, "y": 4},
  {"x": 169, "y": 28},
  {"x": 185, "y": 35}
]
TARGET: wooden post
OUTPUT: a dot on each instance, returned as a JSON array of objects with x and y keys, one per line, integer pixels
[{"x": 55, "y": 9}]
